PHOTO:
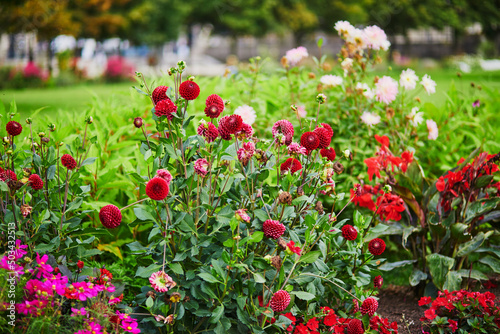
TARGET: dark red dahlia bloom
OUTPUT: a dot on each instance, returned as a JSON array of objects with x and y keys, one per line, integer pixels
[
  {"x": 355, "y": 326},
  {"x": 165, "y": 108},
  {"x": 110, "y": 216},
  {"x": 138, "y": 122},
  {"x": 14, "y": 128},
  {"x": 157, "y": 188},
  {"x": 6, "y": 175},
  {"x": 378, "y": 281},
  {"x": 369, "y": 306},
  {"x": 214, "y": 106},
  {"x": 273, "y": 229},
  {"x": 390, "y": 207},
  {"x": 328, "y": 153},
  {"x": 310, "y": 141},
  {"x": 349, "y": 232},
  {"x": 324, "y": 137},
  {"x": 189, "y": 90},
  {"x": 36, "y": 182},
  {"x": 229, "y": 125},
  {"x": 208, "y": 131},
  {"x": 376, "y": 246},
  {"x": 291, "y": 164},
  {"x": 159, "y": 93},
  {"x": 68, "y": 161},
  {"x": 280, "y": 301},
  {"x": 328, "y": 128},
  {"x": 283, "y": 132},
  {"x": 80, "y": 264}
]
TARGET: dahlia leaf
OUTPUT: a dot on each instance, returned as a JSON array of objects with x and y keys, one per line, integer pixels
[
  {"x": 303, "y": 295},
  {"x": 89, "y": 161},
  {"x": 471, "y": 245},
  {"x": 259, "y": 278},
  {"x": 216, "y": 314},
  {"x": 3, "y": 186},
  {"x": 310, "y": 257},
  {"x": 143, "y": 215},
  {"x": 146, "y": 272},
  {"x": 176, "y": 268},
  {"x": 209, "y": 278},
  {"x": 256, "y": 236},
  {"x": 391, "y": 265}
]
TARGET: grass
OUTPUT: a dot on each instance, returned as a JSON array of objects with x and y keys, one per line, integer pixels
[{"x": 71, "y": 99}]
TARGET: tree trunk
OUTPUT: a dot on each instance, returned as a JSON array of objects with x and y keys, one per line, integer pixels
[{"x": 50, "y": 54}]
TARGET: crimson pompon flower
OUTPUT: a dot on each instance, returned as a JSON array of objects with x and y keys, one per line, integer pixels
[
  {"x": 159, "y": 93},
  {"x": 80, "y": 264},
  {"x": 328, "y": 153},
  {"x": 291, "y": 164},
  {"x": 229, "y": 125},
  {"x": 208, "y": 131},
  {"x": 165, "y": 108},
  {"x": 68, "y": 161},
  {"x": 355, "y": 326},
  {"x": 324, "y": 137},
  {"x": 110, "y": 216},
  {"x": 283, "y": 132},
  {"x": 376, "y": 246},
  {"x": 189, "y": 90},
  {"x": 214, "y": 106},
  {"x": 378, "y": 281},
  {"x": 273, "y": 229},
  {"x": 280, "y": 301},
  {"x": 310, "y": 141},
  {"x": 349, "y": 232},
  {"x": 6, "y": 175},
  {"x": 35, "y": 181},
  {"x": 14, "y": 128},
  {"x": 328, "y": 128},
  {"x": 157, "y": 188},
  {"x": 369, "y": 306}
]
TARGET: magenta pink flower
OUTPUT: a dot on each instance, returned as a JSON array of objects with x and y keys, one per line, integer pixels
[
  {"x": 161, "y": 282},
  {"x": 164, "y": 174},
  {"x": 43, "y": 268},
  {"x": 246, "y": 152},
  {"x": 242, "y": 215},
  {"x": 20, "y": 249},
  {"x": 78, "y": 312},
  {"x": 295, "y": 148},
  {"x": 201, "y": 167}
]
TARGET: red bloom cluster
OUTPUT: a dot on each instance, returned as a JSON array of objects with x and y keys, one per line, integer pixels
[
  {"x": 214, "y": 106},
  {"x": 189, "y": 90},
  {"x": 384, "y": 158},
  {"x": 229, "y": 125},
  {"x": 110, "y": 216},
  {"x": 68, "y": 161},
  {"x": 292, "y": 165},
  {"x": 461, "y": 308},
  {"x": 35, "y": 181},
  {"x": 369, "y": 306},
  {"x": 390, "y": 207},
  {"x": 165, "y": 108},
  {"x": 456, "y": 183},
  {"x": 364, "y": 195},
  {"x": 324, "y": 137},
  {"x": 14, "y": 128},
  {"x": 208, "y": 130},
  {"x": 159, "y": 93},
  {"x": 329, "y": 322}
]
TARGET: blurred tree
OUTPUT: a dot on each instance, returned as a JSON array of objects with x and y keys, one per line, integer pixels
[
  {"x": 331, "y": 11},
  {"x": 296, "y": 16}
]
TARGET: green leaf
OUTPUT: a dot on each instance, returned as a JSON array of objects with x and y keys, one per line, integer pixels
[
  {"x": 417, "y": 276},
  {"x": 472, "y": 245},
  {"x": 310, "y": 257},
  {"x": 480, "y": 208},
  {"x": 149, "y": 302},
  {"x": 483, "y": 181},
  {"x": 439, "y": 266},
  {"x": 216, "y": 314},
  {"x": 391, "y": 265},
  {"x": 303, "y": 295},
  {"x": 209, "y": 278},
  {"x": 4, "y": 186},
  {"x": 453, "y": 281},
  {"x": 146, "y": 272},
  {"x": 176, "y": 268},
  {"x": 256, "y": 236},
  {"x": 474, "y": 274},
  {"x": 143, "y": 215},
  {"x": 492, "y": 262},
  {"x": 259, "y": 278},
  {"x": 88, "y": 161}
]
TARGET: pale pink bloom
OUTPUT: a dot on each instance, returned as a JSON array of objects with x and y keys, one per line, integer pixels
[
  {"x": 357, "y": 37},
  {"x": 161, "y": 282},
  {"x": 201, "y": 167},
  {"x": 429, "y": 84},
  {"x": 375, "y": 38},
  {"x": 386, "y": 89},
  {"x": 433, "y": 129},
  {"x": 247, "y": 113},
  {"x": 344, "y": 28},
  {"x": 346, "y": 64},
  {"x": 408, "y": 79},
  {"x": 370, "y": 119},
  {"x": 367, "y": 91},
  {"x": 295, "y": 148},
  {"x": 294, "y": 56},
  {"x": 164, "y": 174},
  {"x": 301, "y": 111},
  {"x": 331, "y": 80},
  {"x": 77, "y": 312},
  {"x": 415, "y": 117}
]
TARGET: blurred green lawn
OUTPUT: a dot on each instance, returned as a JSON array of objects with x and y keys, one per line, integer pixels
[{"x": 76, "y": 98}]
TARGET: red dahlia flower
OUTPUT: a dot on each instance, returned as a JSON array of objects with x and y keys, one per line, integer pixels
[
  {"x": 214, "y": 106},
  {"x": 208, "y": 131},
  {"x": 280, "y": 301},
  {"x": 110, "y": 216},
  {"x": 369, "y": 306},
  {"x": 376, "y": 246},
  {"x": 328, "y": 153},
  {"x": 273, "y": 229},
  {"x": 14, "y": 128},
  {"x": 292, "y": 165},
  {"x": 165, "y": 108},
  {"x": 189, "y": 90},
  {"x": 324, "y": 137},
  {"x": 68, "y": 161},
  {"x": 157, "y": 189},
  {"x": 159, "y": 93},
  {"x": 310, "y": 141},
  {"x": 355, "y": 326},
  {"x": 35, "y": 181},
  {"x": 283, "y": 132},
  {"x": 349, "y": 232}
]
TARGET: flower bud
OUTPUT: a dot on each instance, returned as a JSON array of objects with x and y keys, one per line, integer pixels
[
  {"x": 89, "y": 120},
  {"x": 52, "y": 127},
  {"x": 41, "y": 134},
  {"x": 387, "y": 188},
  {"x": 138, "y": 122},
  {"x": 182, "y": 65},
  {"x": 321, "y": 98},
  {"x": 191, "y": 78},
  {"x": 29, "y": 120}
]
